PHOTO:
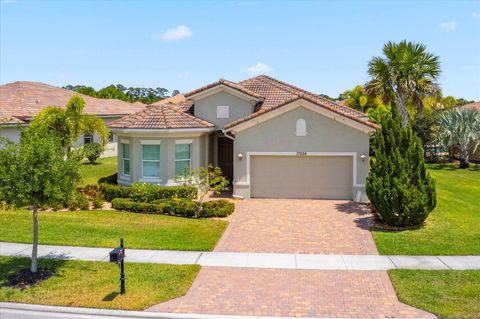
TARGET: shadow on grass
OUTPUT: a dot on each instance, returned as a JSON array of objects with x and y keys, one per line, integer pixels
[
  {"x": 13, "y": 266},
  {"x": 111, "y": 296}
]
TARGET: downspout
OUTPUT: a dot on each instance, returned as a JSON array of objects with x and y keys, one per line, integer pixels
[{"x": 226, "y": 134}]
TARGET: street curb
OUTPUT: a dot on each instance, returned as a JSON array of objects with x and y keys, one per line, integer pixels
[{"x": 108, "y": 313}]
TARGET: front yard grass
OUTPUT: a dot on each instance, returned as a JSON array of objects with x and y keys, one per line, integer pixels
[
  {"x": 104, "y": 228},
  {"x": 104, "y": 167},
  {"x": 452, "y": 228},
  {"x": 96, "y": 284},
  {"x": 446, "y": 293}
]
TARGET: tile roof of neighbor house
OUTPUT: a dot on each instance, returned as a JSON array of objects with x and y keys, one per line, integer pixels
[
  {"x": 474, "y": 105},
  {"x": 164, "y": 116},
  {"x": 22, "y": 100}
]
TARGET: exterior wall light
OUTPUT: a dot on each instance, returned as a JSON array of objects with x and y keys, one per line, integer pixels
[
  {"x": 240, "y": 156},
  {"x": 363, "y": 157}
]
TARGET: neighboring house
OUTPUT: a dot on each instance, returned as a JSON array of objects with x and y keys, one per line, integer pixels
[
  {"x": 21, "y": 101},
  {"x": 271, "y": 139},
  {"x": 474, "y": 157}
]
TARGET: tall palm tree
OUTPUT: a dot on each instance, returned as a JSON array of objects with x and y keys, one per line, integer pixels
[
  {"x": 406, "y": 73},
  {"x": 460, "y": 127}
]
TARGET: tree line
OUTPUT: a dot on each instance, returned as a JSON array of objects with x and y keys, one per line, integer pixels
[{"x": 121, "y": 92}]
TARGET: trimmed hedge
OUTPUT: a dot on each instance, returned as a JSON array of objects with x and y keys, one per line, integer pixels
[
  {"x": 146, "y": 192},
  {"x": 176, "y": 206},
  {"x": 217, "y": 208}
]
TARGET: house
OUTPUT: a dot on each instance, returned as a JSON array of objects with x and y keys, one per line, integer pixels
[
  {"x": 21, "y": 101},
  {"x": 270, "y": 138}
]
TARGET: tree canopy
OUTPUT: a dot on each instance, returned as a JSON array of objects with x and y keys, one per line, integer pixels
[
  {"x": 121, "y": 92},
  {"x": 406, "y": 72}
]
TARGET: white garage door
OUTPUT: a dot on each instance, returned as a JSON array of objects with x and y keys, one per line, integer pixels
[{"x": 322, "y": 177}]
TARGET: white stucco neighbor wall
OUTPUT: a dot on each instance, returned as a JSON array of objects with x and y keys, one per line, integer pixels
[
  {"x": 323, "y": 135},
  {"x": 13, "y": 133}
]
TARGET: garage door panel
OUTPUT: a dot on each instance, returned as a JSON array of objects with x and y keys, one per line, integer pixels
[{"x": 325, "y": 177}]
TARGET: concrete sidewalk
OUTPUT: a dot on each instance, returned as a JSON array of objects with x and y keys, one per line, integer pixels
[{"x": 251, "y": 260}]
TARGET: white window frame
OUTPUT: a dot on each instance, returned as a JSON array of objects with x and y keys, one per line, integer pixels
[
  {"x": 223, "y": 111},
  {"x": 150, "y": 178},
  {"x": 183, "y": 142},
  {"x": 126, "y": 142}
]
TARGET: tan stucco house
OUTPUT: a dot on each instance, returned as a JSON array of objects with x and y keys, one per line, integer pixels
[
  {"x": 21, "y": 101},
  {"x": 270, "y": 138}
]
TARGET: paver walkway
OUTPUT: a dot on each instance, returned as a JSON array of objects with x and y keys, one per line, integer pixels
[{"x": 298, "y": 226}]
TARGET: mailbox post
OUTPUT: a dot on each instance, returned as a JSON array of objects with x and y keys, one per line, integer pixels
[{"x": 117, "y": 255}]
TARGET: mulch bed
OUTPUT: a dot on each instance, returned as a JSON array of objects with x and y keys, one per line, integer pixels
[{"x": 25, "y": 278}]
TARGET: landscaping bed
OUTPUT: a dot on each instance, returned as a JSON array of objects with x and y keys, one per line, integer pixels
[
  {"x": 96, "y": 284},
  {"x": 452, "y": 228},
  {"x": 104, "y": 228},
  {"x": 446, "y": 293}
]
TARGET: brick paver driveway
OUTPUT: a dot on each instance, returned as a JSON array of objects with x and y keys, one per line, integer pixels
[
  {"x": 303, "y": 226},
  {"x": 299, "y": 226}
]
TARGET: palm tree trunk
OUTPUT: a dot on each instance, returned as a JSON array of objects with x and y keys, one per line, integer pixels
[
  {"x": 464, "y": 160},
  {"x": 33, "y": 267},
  {"x": 402, "y": 108}
]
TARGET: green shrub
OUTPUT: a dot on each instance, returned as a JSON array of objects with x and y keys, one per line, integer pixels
[
  {"x": 72, "y": 204},
  {"x": 128, "y": 204},
  {"x": 92, "y": 151},
  {"x": 110, "y": 179},
  {"x": 146, "y": 192},
  {"x": 57, "y": 206},
  {"x": 91, "y": 191},
  {"x": 82, "y": 201},
  {"x": 172, "y": 206},
  {"x": 398, "y": 185},
  {"x": 97, "y": 202},
  {"x": 110, "y": 191},
  {"x": 217, "y": 208}
]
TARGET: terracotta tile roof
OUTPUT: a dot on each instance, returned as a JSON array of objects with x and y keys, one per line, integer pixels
[
  {"x": 26, "y": 99},
  {"x": 230, "y": 84},
  {"x": 173, "y": 99},
  {"x": 184, "y": 105},
  {"x": 474, "y": 105},
  {"x": 166, "y": 116},
  {"x": 277, "y": 93}
]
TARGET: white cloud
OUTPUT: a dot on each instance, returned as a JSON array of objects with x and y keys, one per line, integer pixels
[
  {"x": 177, "y": 33},
  {"x": 476, "y": 15},
  {"x": 259, "y": 68},
  {"x": 448, "y": 25}
]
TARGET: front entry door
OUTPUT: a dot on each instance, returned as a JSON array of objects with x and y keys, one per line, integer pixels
[{"x": 225, "y": 157}]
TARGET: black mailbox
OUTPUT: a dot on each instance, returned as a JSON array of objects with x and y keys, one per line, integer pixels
[{"x": 117, "y": 255}]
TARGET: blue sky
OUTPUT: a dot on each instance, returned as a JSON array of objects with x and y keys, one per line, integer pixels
[{"x": 318, "y": 45}]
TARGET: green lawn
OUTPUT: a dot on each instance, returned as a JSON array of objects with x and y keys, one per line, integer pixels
[
  {"x": 96, "y": 284},
  {"x": 446, "y": 293},
  {"x": 452, "y": 228},
  {"x": 90, "y": 173},
  {"x": 104, "y": 228}
]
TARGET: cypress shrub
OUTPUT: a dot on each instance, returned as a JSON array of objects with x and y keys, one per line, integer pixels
[{"x": 398, "y": 185}]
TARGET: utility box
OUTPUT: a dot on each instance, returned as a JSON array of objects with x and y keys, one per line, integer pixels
[{"x": 117, "y": 255}]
